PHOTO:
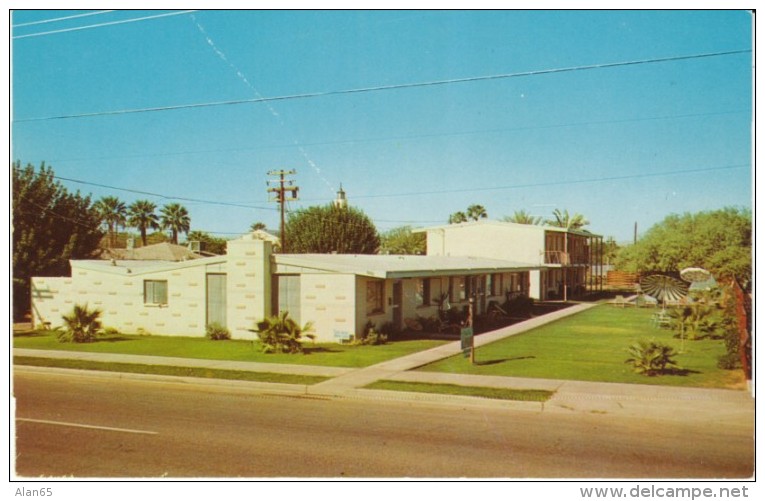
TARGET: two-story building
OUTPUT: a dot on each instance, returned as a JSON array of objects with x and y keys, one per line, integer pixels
[{"x": 564, "y": 256}]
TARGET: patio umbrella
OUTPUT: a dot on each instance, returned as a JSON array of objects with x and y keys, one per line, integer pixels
[
  {"x": 664, "y": 288},
  {"x": 695, "y": 275}
]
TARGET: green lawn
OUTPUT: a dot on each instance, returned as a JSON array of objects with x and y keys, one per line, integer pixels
[
  {"x": 325, "y": 354},
  {"x": 263, "y": 377},
  {"x": 471, "y": 391},
  {"x": 591, "y": 346}
]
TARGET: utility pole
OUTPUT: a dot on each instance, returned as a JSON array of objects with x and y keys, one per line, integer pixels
[{"x": 280, "y": 187}]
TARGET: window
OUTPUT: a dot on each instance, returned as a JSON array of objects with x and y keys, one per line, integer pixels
[
  {"x": 155, "y": 292},
  {"x": 496, "y": 288},
  {"x": 375, "y": 297},
  {"x": 422, "y": 295},
  {"x": 457, "y": 290}
]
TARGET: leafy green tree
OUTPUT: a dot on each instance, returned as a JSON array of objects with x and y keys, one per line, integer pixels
[
  {"x": 257, "y": 226},
  {"x": 175, "y": 218},
  {"x": 113, "y": 213},
  {"x": 281, "y": 334},
  {"x": 402, "y": 241},
  {"x": 522, "y": 217},
  {"x": 563, "y": 219},
  {"x": 476, "y": 212},
  {"x": 458, "y": 217},
  {"x": 719, "y": 241},
  {"x": 142, "y": 215},
  {"x": 50, "y": 227},
  {"x": 213, "y": 245},
  {"x": 82, "y": 325},
  {"x": 327, "y": 229}
]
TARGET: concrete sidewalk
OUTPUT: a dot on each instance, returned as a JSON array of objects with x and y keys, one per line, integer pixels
[{"x": 721, "y": 406}]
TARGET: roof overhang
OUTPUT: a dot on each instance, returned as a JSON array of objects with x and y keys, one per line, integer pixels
[{"x": 395, "y": 266}]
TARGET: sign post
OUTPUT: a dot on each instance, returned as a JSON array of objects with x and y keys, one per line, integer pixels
[{"x": 466, "y": 335}]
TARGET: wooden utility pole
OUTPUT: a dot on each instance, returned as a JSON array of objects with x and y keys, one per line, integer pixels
[{"x": 280, "y": 187}]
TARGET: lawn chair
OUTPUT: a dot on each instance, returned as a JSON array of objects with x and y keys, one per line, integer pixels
[
  {"x": 619, "y": 301},
  {"x": 661, "y": 319}
]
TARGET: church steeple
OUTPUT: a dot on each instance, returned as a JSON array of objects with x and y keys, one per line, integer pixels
[{"x": 341, "y": 202}]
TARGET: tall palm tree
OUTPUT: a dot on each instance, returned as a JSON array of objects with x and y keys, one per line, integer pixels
[
  {"x": 476, "y": 212},
  {"x": 522, "y": 217},
  {"x": 564, "y": 220},
  {"x": 141, "y": 215},
  {"x": 175, "y": 218},
  {"x": 457, "y": 217},
  {"x": 113, "y": 213}
]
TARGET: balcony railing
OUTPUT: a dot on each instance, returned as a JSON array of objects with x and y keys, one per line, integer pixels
[{"x": 565, "y": 258}]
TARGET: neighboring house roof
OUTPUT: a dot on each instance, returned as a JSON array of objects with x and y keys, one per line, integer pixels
[
  {"x": 394, "y": 266},
  {"x": 268, "y": 237},
  {"x": 141, "y": 266},
  {"x": 157, "y": 252},
  {"x": 504, "y": 224}
]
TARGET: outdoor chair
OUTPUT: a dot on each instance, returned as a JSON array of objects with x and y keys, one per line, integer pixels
[
  {"x": 619, "y": 301},
  {"x": 661, "y": 319}
]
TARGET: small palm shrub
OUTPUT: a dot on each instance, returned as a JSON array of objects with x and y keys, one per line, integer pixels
[
  {"x": 650, "y": 358},
  {"x": 281, "y": 334},
  {"x": 82, "y": 325},
  {"x": 217, "y": 332},
  {"x": 371, "y": 336}
]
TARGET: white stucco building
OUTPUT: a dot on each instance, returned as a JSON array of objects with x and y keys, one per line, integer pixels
[
  {"x": 338, "y": 293},
  {"x": 563, "y": 256}
]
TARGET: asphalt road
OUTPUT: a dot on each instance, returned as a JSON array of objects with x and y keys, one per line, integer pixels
[{"x": 94, "y": 426}]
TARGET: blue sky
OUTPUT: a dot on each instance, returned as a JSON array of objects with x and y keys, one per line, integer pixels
[{"x": 621, "y": 145}]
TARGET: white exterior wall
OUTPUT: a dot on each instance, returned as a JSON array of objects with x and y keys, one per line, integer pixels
[
  {"x": 329, "y": 302},
  {"x": 120, "y": 297},
  {"x": 524, "y": 243},
  {"x": 51, "y": 298},
  {"x": 119, "y": 293},
  {"x": 248, "y": 285}
]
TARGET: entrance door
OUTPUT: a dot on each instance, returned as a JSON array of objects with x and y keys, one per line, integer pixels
[
  {"x": 216, "y": 299},
  {"x": 398, "y": 295}
]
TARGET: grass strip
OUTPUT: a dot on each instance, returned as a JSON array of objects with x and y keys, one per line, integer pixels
[
  {"x": 472, "y": 391},
  {"x": 264, "y": 377}
]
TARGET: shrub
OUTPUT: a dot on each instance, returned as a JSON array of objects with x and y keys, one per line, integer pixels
[
  {"x": 371, "y": 336},
  {"x": 650, "y": 358},
  {"x": 281, "y": 334},
  {"x": 111, "y": 331},
  {"x": 217, "y": 332},
  {"x": 729, "y": 361},
  {"x": 81, "y": 326},
  {"x": 519, "y": 305}
]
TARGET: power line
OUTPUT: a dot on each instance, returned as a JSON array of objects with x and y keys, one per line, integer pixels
[
  {"x": 169, "y": 197},
  {"x": 391, "y": 87},
  {"x": 96, "y": 13},
  {"x": 409, "y": 137},
  {"x": 111, "y": 23},
  {"x": 550, "y": 183}
]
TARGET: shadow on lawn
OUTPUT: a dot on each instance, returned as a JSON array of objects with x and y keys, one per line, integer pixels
[
  {"x": 501, "y": 360},
  {"x": 308, "y": 350},
  {"x": 674, "y": 371}
]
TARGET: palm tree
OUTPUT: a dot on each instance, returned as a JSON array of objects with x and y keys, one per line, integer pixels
[
  {"x": 564, "y": 220},
  {"x": 522, "y": 217},
  {"x": 141, "y": 215},
  {"x": 257, "y": 226},
  {"x": 282, "y": 334},
  {"x": 113, "y": 213},
  {"x": 476, "y": 212},
  {"x": 82, "y": 325},
  {"x": 176, "y": 218},
  {"x": 457, "y": 217}
]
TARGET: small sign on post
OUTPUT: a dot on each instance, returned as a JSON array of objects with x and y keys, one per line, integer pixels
[{"x": 466, "y": 338}]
